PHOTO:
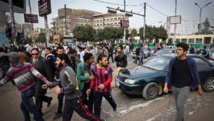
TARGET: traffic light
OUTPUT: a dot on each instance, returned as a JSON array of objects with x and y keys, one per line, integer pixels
[{"x": 9, "y": 32}]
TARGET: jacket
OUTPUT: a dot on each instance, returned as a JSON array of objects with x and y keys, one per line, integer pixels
[
  {"x": 192, "y": 68},
  {"x": 69, "y": 83},
  {"x": 121, "y": 60},
  {"x": 80, "y": 75}
]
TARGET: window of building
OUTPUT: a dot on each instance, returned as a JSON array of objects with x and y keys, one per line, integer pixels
[
  {"x": 198, "y": 40},
  {"x": 191, "y": 40}
]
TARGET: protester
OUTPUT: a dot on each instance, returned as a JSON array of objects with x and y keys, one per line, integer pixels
[
  {"x": 121, "y": 61},
  {"x": 84, "y": 76},
  {"x": 182, "y": 74},
  {"x": 101, "y": 84},
  {"x": 22, "y": 74},
  {"x": 74, "y": 59},
  {"x": 70, "y": 88},
  {"x": 42, "y": 65}
]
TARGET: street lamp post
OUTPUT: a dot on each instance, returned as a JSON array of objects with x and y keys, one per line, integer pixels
[{"x": 200, "y": 14}]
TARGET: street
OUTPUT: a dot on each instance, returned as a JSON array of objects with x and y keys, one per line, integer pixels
[{"x": 129, "y": 108}]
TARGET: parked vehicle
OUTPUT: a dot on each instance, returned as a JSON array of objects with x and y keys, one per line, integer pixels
[
  {"x": 211, "y": 53},
  {"x": 148, "y": 80},
  {"x": 147, "y": 53},
  {"x": 201, "y": 48},
  {"x": 161, "y": 52}
]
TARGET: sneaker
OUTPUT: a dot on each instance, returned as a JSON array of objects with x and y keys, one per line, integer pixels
[{"x": 57, "y": 115}]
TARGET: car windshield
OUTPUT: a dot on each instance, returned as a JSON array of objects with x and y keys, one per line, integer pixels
[
  {"x": 163, "y": 51},
  {"x": 157, "y": 63}
]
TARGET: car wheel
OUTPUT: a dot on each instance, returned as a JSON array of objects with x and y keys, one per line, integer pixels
[
  {"x": 209, "y": 85},
  {"x": 150, "y": 91}
]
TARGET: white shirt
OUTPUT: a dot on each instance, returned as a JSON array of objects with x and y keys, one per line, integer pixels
[
  {"x": 127, "y": 48},
  {"x": 82, "y": 53}
]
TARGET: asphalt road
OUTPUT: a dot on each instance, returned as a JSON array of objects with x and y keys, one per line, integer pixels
[{"x": 130, "y": 108}]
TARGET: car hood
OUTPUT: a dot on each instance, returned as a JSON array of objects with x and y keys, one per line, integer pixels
[{"x": 137, "y": 72}]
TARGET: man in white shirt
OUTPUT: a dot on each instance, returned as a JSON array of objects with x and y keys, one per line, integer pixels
[
  {"x": 82, "y": 52},
  {"x": 127, "y": 51}
]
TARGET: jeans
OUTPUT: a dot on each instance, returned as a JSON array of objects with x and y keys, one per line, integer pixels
[
  {"x": 110, "y": 56},
  {"x": 136, "y": 58},
  {"x": 141, "y": 60},
  {"x": 98, "y": 96},
  {"x": 27, "y": 105},
  {"x": 181, "y": 95}
]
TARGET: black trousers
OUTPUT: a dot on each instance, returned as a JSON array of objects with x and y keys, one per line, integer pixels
[
  {"x": 40, "y": 97},
  {"x": 98, "y": 96},
  {"x": 110, "y": 56},
  {"x": 77, "y": 105},
  {"x": 90, "y": 100},
  {"x": 60, "y": 102}
]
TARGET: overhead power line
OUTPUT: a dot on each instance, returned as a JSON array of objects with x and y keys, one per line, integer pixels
[
  {"x": 116, "y": 3},
  {"x": 156, "y": 10}
]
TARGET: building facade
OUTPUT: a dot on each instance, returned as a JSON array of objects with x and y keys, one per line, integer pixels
[
  {"x": 107, "y": 20},
  {"x": 81, "y": 17},
  {"x": 74, "y": 17}
]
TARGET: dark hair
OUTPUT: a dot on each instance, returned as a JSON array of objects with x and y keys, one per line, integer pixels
[
  {"x": 48, "y": 48},
  {"x": 64, "y": 57},
  {"x": 1, "y": 49},
  {"x": 72, "y": 51},
  {"x": 121, "y": 47},
  {"x": 183, "y": 45},
  {"x": 59, "y": 48},
  {"x": 87, "y": 56},
  {"x": 100, "y": 57},
  {"x": 35, "y": 49}
]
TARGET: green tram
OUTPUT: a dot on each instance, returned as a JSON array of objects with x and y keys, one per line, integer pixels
[{"x": 195, "y": 40}]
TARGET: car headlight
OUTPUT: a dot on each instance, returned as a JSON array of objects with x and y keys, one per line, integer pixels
[{"x": 130, "y": 81}]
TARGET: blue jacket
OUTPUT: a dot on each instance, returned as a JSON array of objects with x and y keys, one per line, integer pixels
[{"x": 192, "y": 68}]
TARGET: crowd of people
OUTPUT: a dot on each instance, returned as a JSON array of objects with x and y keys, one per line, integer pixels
[{"x": 83, "y": 78}]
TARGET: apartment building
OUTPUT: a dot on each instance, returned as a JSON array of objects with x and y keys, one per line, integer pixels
[
  {"x": 108, "y": 19},
  {"x": 74, "y": 17}
]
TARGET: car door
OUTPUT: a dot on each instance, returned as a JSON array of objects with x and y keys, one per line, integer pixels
[{"x": 204, "y": 69}]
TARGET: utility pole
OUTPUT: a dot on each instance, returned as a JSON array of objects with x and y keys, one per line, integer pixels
[
  {"x": 47, "y": 30},
  {"x": 175, "y": 23},
  {"x": 199, "y": 27},
  {"x": 32, "y": 29},
  {"x": 144, "y": 28},
  {"x": 124, "y": 37},
  {"x": 13, "y": 23},
  {"x": 54, "y": 26},
  {"x": 65, "y": 20}
]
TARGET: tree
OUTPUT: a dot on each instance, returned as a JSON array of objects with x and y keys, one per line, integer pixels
[
  {"x": 206, "y": 27},
  {"x": 41, "y": 38},
  {"x": 134, "y": 32},
  {"x": 84, "y": 33},
  {"x": 153, "y": 32}
]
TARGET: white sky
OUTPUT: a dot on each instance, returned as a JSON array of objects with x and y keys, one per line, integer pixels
[{"x": 186, "y": 8}]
